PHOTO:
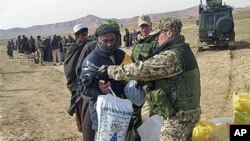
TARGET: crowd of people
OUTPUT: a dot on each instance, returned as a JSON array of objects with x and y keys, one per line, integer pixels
[
  {"x": 48, "y": 49},
  {"x": 53, "y": 48},
  {"x": 161, "y": 63},
  {"x": 129, "y": 38}
]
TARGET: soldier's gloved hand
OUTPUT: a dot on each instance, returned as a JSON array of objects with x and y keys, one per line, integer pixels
[{"x": 101, "y": 73}]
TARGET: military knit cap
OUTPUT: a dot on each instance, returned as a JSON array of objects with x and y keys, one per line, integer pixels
[
  {"x": 144, "y": 19},
  {"x": 169, "y": 24},
  {"x": 106, "y": 28},
  {"x": 112, "y": 23}
]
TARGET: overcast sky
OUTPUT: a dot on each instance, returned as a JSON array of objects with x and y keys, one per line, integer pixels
[{"x": 26, "y": 13}]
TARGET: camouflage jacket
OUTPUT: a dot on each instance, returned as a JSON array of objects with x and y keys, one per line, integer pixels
[
  {"x": 174, "y": 75},
  {"x": 40, "y": 45},
  {"x": 163, "y": 65}
]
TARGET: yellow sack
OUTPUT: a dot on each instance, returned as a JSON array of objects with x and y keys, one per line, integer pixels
[
  {"x": 220, "y": 133},
  {"x": 241, "y": 106},
  {"x": 241, "y": 118},
  {"x": 241, "y": 102},
  {"x": 202, "y": 129}
]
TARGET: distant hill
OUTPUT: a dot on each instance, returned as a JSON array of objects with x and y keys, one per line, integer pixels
[{"x": 90, "y": 21}]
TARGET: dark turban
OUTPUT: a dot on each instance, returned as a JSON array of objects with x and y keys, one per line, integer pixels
[{"x": 105, "y": 28}]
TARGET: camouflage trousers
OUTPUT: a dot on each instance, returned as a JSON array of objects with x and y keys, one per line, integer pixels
[{"x": 180, "y": 126}]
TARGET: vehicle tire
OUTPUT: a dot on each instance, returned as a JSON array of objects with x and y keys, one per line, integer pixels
[{"x": 224, "y": 24}]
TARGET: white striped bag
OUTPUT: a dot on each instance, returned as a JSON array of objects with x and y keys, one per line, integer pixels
[{"x": 114, "y": 115}]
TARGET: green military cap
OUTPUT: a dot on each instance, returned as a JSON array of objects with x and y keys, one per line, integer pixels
[
  {"x": 112, "y": 23},
  {"x": 168, "y": 24},
  {"x": 106, "y": 28}
]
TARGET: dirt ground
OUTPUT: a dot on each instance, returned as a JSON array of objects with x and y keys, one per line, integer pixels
[
  {"x": 34, "y": 99},
  {"x": 33, "y": 103}
]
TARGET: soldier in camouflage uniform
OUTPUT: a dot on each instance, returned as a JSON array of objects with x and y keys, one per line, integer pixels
[
  {"x": 64, "y": 43},
  {"x": 144, "y": 45},
  {"x": 144, "y": 42},
  {"x": 174, "y": 88},
  {"x": 18, "y": 43},
  {"x": 40, "y": 47}
]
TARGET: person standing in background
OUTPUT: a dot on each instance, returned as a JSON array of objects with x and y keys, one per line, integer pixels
[
  {"x": 10, "y": 50},
  {"x": 55, "y": 46},
  {"x": 40, "y": 48},
  {"x": 78, "y": 107},
  {"x": 144, "y": 45},
  {"x": 32, "y": 45}
]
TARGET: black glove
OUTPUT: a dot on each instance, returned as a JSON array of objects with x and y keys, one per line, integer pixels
[{"x": 101, "y": 73}]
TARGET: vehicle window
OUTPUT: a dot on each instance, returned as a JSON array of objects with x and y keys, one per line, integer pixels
[{"x": 209, "y": 21}]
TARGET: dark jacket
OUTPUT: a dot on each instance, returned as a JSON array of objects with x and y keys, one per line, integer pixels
[
  {"x": 70, "y": 62},
  {"x": 89, "y": 47},
  {"x": 99, "y": 58},
  {"x": 55, "y": 43},
  {"x": 9, "y": 49}
]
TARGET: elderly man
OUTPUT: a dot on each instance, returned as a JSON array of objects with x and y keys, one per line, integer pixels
[
  {"x": 107, "y": 53},
  {"x": 173, "y": 90}
]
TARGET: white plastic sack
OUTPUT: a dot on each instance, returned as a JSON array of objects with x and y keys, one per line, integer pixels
[
  {"x": 221, "y": 120},
  {"x": 151, "y": 128},
  {"x": 136, "y": 95},
  {"x": 114, "y": 115}
]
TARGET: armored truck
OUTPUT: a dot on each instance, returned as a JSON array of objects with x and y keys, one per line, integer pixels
[{"x": 215, "y": 25}]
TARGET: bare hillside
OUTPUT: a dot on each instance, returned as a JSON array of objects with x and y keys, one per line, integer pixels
[
  {"x": 90, "y": 21},
  {"x": 34, "y": 99}
]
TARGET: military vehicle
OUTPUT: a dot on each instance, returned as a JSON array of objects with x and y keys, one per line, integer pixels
[{"x": 216, "y": 25}]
